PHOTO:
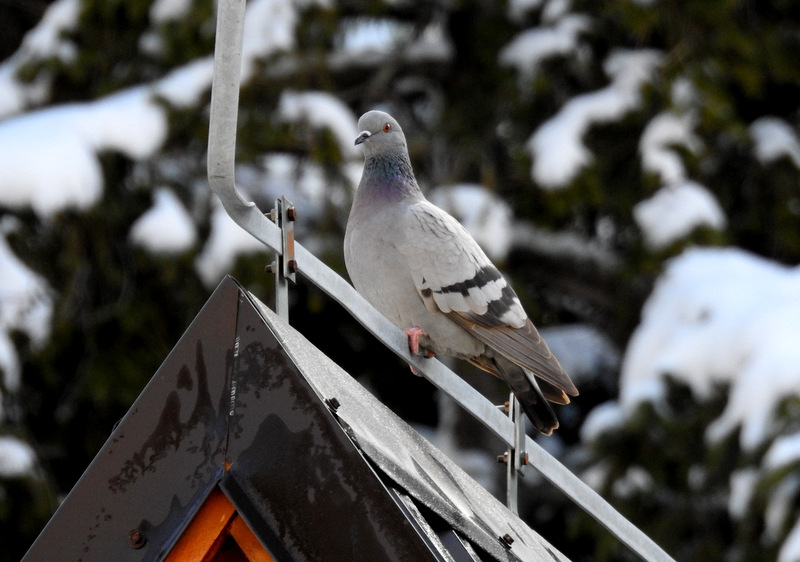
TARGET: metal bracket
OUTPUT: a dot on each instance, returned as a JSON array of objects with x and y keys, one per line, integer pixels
[
  {"x": 515, "y": 457},
  {"x": 285, "y": 265}
]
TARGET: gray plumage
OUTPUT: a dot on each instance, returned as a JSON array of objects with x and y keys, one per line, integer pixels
[{"x": 419, "y": 267}]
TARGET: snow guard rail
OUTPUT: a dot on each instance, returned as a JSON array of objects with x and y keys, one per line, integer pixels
[{"x": 275, "y": 230}]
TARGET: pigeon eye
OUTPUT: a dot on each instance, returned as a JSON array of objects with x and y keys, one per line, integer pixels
[{"x": 387, "y": 127}]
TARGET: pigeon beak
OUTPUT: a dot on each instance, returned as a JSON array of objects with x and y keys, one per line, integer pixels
[{"x": 363, "y": 137}]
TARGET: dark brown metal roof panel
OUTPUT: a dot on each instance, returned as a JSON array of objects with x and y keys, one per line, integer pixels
[
  {"x": 295, "y": 476},
  {"x": 163, "y": 457}
]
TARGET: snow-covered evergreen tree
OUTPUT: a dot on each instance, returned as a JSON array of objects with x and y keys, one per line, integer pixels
[{"x": 633, "y": 165}]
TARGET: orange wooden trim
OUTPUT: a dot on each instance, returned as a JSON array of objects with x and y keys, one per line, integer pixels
[
  {"x": 204, "y": 535},
  {"x": 247, "y": 541}
]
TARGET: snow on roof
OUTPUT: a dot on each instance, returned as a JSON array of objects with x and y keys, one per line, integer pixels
[
  {"x": 720, "y": 315},
  {"x": 557, "y": 145},
  {"x": 674, "y": 211}
]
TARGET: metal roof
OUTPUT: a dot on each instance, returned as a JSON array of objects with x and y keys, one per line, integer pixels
[{"x": 316, "y": 466}]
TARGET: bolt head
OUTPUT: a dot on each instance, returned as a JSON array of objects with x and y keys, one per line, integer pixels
[
  {"x": 136, "y": 539},
  {"x": 507, "y": 540}
]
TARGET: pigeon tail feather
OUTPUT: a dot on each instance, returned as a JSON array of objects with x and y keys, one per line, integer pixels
[{"x": 530, "y": 396}]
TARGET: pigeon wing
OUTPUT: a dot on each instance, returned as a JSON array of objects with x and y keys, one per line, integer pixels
[{"x": 454, "y": 276}]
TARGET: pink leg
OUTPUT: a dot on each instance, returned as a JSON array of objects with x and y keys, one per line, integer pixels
[
  {"x": 413, "y": 339},
  {"x": 413, "y": 342}
]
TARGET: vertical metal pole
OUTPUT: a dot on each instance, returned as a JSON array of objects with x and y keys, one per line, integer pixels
[
  {"x": 285, "y": 266},
  {"x": 516, "y": 455},
  {"x": 225, "y": 97}
]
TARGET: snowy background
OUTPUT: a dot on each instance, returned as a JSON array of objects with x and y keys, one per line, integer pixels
[{"x": 645, "y": 201}]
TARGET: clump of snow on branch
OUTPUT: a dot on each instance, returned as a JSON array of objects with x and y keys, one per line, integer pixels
[
  {"x": 16, "y": 457},
  {"x": 720, "y": 316},
  {"x": 321, "y": 110},
  {"x": 557, "y": 145},
  {"x": 45, "y": 40},
  {"x": 674, "y": 211},
  {"x": 657, "y": 145},
  {"x": 681, "y": 205},
  {"x": 25, "y": 306},
  {"x": 226, "y": 242},
  {"x": 167, "y": 227},
  {"x": 531, "y": 47},
  {"x": 774, "y": 138},
  {"x": 68, "y": 139}
]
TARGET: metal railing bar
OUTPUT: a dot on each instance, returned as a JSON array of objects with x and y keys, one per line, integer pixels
[{"x": 221, "y": 160}]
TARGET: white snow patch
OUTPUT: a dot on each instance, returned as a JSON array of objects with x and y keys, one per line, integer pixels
[
  {"x": 226, "y": 242},
  {"x": 582, "y": 350},
  {"x": 26, "y": 306},
  {"x": 635, "y": 480},
  {"x": 485, "y": 216},
  {"x": 774, "y": 138},
  {"x": 49, "y": 157},
  {"x": 596, "y": 475},
  {"x": 321, "y": 110},
  {"x": 743, "y": 484},
  {"x": 163, "y": 11},
  {"x": 367, "y": 41},
  {"x": 790, "y": 549},
  {"x": 432, "y": 44},
  {"x": 45, "y": 40},
  {"x": 369, "y": 35},
  {"x": 184, "y": 86},
  {"x": 518, "y": 8},
  {"x": 779, "y": 510},
  {"x": 555, "y": 10},
  {"x": 662, "y": 133},
  {"x": 604, "y": 418},
  {"x": 674, "y": 211},
  {"x": 166, "y": 228},
  {"x": 557, "y": 148},
  {"x": 16, "y": 457},
  {"x": 720, "y": 316},
  {"x": 302, "y": 181},
  {"x": 531, "y": 47},
  {"x": 269, "y": 27},
  {"x": 784, "y": 450}
]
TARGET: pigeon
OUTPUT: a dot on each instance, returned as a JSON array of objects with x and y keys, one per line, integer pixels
[{"x": 421, "y": 269}]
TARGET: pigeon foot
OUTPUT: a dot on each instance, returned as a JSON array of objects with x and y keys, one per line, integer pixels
[{"x": 413, "y": 342}]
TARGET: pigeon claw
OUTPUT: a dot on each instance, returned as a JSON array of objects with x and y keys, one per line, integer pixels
[{"x": 413, "y": 342}]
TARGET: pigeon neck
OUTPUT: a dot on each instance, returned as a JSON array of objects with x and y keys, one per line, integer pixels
[{"x": 390, "y": 178}]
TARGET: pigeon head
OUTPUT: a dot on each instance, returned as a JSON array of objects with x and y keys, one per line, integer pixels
[{"x": 380, "y": 134}]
